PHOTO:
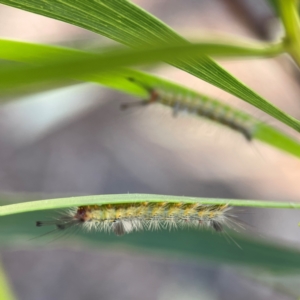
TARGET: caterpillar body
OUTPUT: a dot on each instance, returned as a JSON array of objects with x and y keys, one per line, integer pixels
[
  {"x": 199, "y": 105},
  {"x": 125, "y": 218}
]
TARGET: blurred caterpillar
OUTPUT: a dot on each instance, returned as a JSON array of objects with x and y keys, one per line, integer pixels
[
  {"x": 200, "y": 106},
  {"x": 125, "y": 218}
]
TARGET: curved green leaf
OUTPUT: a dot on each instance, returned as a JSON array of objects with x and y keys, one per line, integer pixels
[
  {"x": 41, "y": 54},
  {"x": 13, "y": 76},
  {"x": 5, "y": 289},
  {"x": 126, "y": 23},
  {"x": 133, "y": 198},
  {"x": 188, "y": 244}
]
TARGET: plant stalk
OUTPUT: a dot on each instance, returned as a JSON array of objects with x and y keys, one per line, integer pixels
[{"x": 290, "y": 18}]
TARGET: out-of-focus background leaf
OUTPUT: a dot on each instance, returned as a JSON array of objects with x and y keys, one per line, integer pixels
[{"x": 5, "y": 290}]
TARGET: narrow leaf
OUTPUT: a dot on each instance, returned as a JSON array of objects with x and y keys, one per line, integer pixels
[
  {"x": 186, "y": 244},
  {"x": 43, "y": 54},
  {"x": 81, "y": 63},
  {"x": 5, "y": 289},
  {"x": 126, "y": 23},
  {"x": 133, "y": 198}
]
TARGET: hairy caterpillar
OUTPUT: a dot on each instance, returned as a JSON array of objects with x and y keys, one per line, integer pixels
[
  {"x": 200, "y": 106},
  {"x": 125, "y": 218}
]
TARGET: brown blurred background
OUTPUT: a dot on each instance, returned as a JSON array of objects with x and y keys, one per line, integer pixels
[{"x": 76, "y": 141}]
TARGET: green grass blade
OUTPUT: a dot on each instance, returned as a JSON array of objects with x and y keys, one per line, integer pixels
[
  {"x": 289, "y": 13},
  {"x": 274, "y": 137},
  {"x": 37, "y": 52},
  {"x": 5, "y": 290},
  {"x": 133, "y": 198},
  {"x": 187, "y": 244},
  {"x": 41, "y": 54},
  {"x": 13, "y": 77},
  {"x": 126, "y": 23}
]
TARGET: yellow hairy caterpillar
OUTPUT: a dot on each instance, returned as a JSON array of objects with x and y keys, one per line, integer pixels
[
  {"x": 125, "y": 218},
  {"x": 199, "y": 105}
]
